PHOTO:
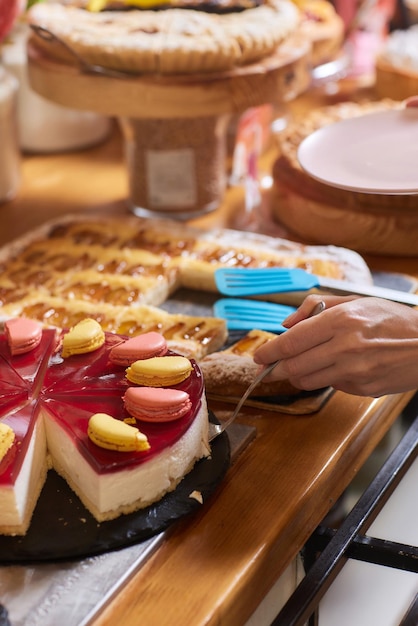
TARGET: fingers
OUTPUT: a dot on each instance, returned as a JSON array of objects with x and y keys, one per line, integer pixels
[
  {"x": 368, "y": 347},
  {"x": 305, "y": 309},
  {"x": 306, "y": 334},
  {"x": 301, "y": 375},
  {"x": 307, "y": 331},
  {"x": 315, "y": 349}
]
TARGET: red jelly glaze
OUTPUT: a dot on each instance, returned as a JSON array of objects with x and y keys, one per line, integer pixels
[
  {"x": 23, "y": 422},
  {"x": 20, "y": 380},
  {"x": 71, "y": 390},
  {"x": 26, "y": 371}
]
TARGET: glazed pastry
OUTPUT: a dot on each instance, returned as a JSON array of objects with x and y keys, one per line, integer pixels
[
  {"x": 94, "y": 267},
  {"x": 230, "y": 371}
]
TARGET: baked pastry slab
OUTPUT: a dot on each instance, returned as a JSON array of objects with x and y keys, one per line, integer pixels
[
  {"x": 81, "y": 267},
  {"x": 109, "y": 251},
  {"x": 93, "y": 273},
  {"x": 232, "y": 370}
]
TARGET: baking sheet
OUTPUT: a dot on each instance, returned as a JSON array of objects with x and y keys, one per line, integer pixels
[{"x": 71, "y": 592}]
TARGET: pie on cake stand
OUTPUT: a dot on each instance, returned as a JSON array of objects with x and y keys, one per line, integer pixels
[{"x": 186, "y": 115}]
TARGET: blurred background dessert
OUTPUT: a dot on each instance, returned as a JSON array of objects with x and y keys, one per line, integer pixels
[{"x": 397, "y": 64}]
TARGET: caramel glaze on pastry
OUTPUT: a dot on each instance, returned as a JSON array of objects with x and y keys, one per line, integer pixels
[{"x": 40, "y": 278}]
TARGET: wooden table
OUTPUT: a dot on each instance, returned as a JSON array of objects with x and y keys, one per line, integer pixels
[{"x": 216, "y": 566}]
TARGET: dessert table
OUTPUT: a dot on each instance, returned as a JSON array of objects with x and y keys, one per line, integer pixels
[{"x": 217, "y": 565}]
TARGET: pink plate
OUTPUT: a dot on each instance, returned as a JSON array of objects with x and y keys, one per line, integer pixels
[{"x": 374, "y": 153}]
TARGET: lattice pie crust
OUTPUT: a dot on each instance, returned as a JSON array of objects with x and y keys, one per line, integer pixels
[{"x": 173, "y": 41}]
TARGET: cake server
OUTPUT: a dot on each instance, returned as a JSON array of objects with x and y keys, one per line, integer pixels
[
  {"x": 240, "y": 281},
  {"x": 216, "y": 429},
  {"x": 87, "y": 68},
  {"x": 242, "y": 314}
]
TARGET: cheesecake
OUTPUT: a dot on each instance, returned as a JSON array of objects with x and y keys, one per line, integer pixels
[{"x": 47, "y": 401}]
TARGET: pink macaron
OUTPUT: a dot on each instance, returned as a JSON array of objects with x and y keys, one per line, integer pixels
[
  {"x": 23, "y": 334},
  {"x": 156, "y": 404},
  {"x": 144, "y": 346}
]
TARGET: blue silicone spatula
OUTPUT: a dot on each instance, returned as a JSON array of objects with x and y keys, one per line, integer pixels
[
  {"x": 241, "y": 314},
  {"x": 240, "y": 281}
]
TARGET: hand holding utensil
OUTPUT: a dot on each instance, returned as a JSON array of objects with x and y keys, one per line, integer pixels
[
  {"x": 242, "y": 314},
  {"x": 216, "y": 429}
]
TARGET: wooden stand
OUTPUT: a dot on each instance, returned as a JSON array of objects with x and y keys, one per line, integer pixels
[
  {"x": 172, "y": 173},
  {"x": 277, "y": 78}
]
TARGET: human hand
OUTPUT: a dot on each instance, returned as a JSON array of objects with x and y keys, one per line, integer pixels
[{"x": 363, "y": 346}]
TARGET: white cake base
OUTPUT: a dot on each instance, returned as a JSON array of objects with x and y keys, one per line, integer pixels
[
  {"x": 17, "y": 502},
  {"x": 112, "y": 494}
]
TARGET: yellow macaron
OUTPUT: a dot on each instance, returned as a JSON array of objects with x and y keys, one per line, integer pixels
[
  {"x": 86, "y": 336},
  {"x": 159, "y": 371},
  {"x": 7, "y": 437}
]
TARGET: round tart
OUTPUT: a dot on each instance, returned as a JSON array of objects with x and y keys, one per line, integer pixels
[{"x": 173, "y": 41}]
